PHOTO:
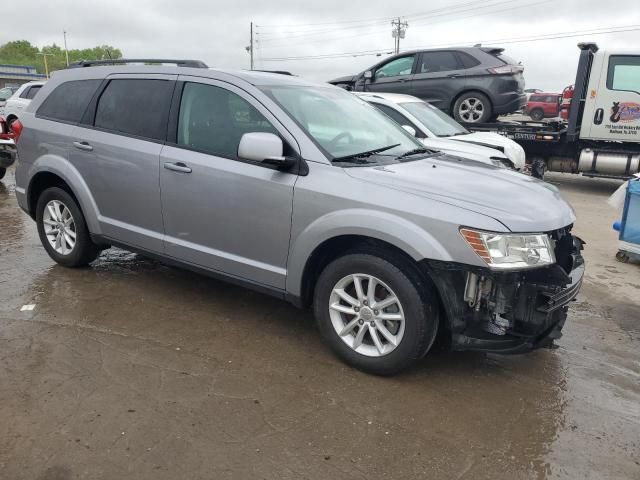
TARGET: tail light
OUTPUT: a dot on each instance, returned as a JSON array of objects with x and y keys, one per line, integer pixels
[
  {"x": 506, "y": 69},
  {"x": 10, "y": 132},
  {"x": 16, "y": 129}
]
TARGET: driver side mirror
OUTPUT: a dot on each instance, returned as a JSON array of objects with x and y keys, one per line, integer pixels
[
  {"x": 410, "y": 129},
  {"x": 265, "y": 148},
  {"x": 368, "y": 75}
]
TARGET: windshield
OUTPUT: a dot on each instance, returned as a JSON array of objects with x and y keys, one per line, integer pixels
[
  {"x": 438, "y": 122},
  {"x": 343, "y": 125}
]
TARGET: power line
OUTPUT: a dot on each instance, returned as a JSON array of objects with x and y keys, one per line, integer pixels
[
  {"x": 380, "y": 19},
  {"x": 287, "y": 41},
  {"x": 451, "y": 10},
  {"x": 549, "y": 36}
]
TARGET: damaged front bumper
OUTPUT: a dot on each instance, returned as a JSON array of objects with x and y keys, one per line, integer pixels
[{"x": 509, "y": 312}]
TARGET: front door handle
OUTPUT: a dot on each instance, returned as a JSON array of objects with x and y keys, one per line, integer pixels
[
  {"x": 177, "y": 167},
  {"x": 83, "y": 146},
  {"x": 453, "y": 75}
]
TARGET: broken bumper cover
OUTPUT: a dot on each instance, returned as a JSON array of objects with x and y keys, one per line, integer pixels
[{"x": 507, "y": 312}]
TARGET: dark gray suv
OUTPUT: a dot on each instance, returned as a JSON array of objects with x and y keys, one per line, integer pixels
[
  {"x": 303, "y": 191},
  {"x": 474, "y": 84}
]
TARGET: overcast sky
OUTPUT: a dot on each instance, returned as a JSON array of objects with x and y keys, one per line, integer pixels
[{"x": 218, "y": 32}]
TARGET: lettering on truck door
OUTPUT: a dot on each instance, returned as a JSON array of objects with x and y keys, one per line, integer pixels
[{"x": 616, "y": 115}]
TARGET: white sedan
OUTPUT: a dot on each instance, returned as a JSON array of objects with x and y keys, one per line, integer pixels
[{"x": 439, "y": 131}]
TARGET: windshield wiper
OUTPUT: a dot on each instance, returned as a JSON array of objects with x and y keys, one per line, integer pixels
[
  {"x": 364, "y": 154},
  {"x": 415, "y": 151}
]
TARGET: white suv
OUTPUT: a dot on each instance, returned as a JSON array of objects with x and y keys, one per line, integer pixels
[{"x": 19, "y": 101}]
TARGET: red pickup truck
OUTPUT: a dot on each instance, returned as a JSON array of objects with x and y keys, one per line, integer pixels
[{"x": 543, "y": 105}]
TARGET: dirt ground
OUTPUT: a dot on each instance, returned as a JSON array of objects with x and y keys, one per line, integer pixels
[{"x": 131, "y": 369}]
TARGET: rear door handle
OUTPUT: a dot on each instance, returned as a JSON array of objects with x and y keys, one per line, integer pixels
[
  {"x": 83, "y": 146},
  {"x": 453, "y": 75},
  {"x": 177, "y": 167}
]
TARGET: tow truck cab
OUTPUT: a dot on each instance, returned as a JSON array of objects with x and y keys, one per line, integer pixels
[{"x": 601, "y": 137}]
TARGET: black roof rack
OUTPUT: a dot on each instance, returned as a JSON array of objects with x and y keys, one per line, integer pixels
[
  {"x": 123, "y": 61},
  {"x": 280, "y": 72}
]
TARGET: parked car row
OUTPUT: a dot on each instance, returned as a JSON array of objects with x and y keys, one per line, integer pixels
[
  {"x": 20, "y": 97},
  {"x": 306, "y": 192},
  {"x": 439, "y": 131}
]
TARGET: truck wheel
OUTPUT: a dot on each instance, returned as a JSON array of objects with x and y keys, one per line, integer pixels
[
  {"x": 377, "y": 314},
  {"x": 536, "y": 114},
  {"x": 622, "y": 257},
  {"x": 3, "y": 171},
  {"x": 472, "y": 107},
  {"x": 62, "y": 229}
]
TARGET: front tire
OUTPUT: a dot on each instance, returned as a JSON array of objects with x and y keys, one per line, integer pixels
[
  {"x": 63, "y": 230},
  {"x": 375, "y": 312},
  {"x": 3, "y": 172},
  {"x": 472, "y": 107}
]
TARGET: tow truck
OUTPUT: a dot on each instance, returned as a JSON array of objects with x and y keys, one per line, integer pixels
[{"x": 601, "y": 137}]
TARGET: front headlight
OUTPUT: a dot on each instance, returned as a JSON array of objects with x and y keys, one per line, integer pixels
[{"x": 510, "y": 251}]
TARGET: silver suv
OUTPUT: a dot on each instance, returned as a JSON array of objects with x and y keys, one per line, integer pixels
[{"x": 305, "y": 192}]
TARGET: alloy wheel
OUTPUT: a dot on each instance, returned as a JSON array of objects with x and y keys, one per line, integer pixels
[
  {"x": 471, "y": 109},
  {"x": 367, "y": 315},
  {"x": 59, "y": 227}
]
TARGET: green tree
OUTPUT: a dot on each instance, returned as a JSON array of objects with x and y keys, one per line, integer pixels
[{"x": 21, "y": 52}]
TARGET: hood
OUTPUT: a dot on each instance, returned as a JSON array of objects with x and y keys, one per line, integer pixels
[
  {"x": 511, "y": 149},
  {"x": 346, "y": 79},
  {"x": 464, "y": 149},
  {"x": 521, "y": 203}
]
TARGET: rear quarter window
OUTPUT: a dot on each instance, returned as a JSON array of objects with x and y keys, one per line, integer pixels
[
  {"x": 68, "y": 101},
  {"x": 467, "y": 60},
  {"x": 33, "y": 91}
]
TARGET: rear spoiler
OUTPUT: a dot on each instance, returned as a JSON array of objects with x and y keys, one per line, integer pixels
[{"x": 492, "y": 50}]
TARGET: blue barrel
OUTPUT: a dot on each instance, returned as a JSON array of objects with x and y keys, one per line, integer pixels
[{"x": 630, "y": 225}]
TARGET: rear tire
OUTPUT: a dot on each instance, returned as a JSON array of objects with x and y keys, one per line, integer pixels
[
  {"x": 536, "y": 114},
  {"x": 472, "y": 107},
  {"x": 63, "y": 230},
  {"x": 3, "y": 172},
  {"x": 404, "y": 329}
]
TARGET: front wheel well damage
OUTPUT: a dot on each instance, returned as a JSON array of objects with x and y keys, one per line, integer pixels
[{"x": 342, "y": 245}]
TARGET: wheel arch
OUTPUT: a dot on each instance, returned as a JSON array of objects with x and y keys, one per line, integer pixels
[
  {"x": 334, "y": 234},
  {"x": 46, "y": 173}
]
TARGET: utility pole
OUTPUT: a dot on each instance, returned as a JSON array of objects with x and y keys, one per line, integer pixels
[
  {"x": 66, "y": 51},
  {"x": 398, "y": 32},
  {"x": 46, "y": 66},
  {"x": 249, "y": 49}
]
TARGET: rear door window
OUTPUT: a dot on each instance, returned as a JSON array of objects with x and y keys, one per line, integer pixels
[
  {"x": 624, "y": 73},
  {"x": 68, "y": 101},
  {"x": 431, "y": 62},
  {"x": 138, "y": 107}
]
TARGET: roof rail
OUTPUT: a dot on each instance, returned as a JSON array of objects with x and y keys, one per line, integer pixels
[{"x": 123, "y": 61}]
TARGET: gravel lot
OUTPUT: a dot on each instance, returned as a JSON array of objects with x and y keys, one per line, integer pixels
[{"x": 132, "y": 369}]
